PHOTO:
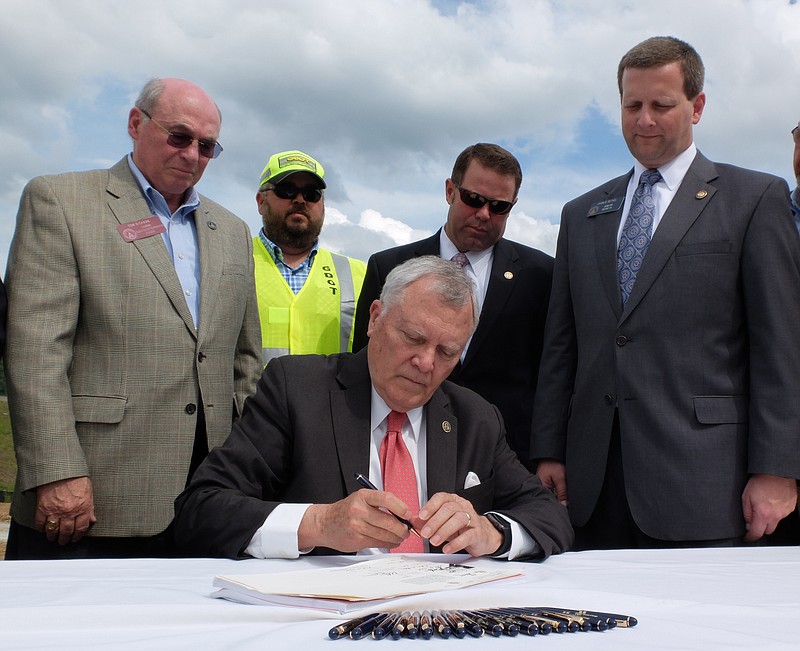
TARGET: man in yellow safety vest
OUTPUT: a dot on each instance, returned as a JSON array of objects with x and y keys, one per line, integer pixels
[{"x": 306, "y": 295}]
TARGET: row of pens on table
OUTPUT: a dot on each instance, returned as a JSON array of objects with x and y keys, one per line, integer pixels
[{"x": 491, "y": 621}]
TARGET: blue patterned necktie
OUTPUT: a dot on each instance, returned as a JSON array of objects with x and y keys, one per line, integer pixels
[{"x": 636, "y": 233}]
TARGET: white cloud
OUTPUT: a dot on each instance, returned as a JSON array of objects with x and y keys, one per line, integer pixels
[{"x": 386, "y": 93}]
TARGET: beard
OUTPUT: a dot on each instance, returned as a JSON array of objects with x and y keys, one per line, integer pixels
[{"x": 291, "y": 234}]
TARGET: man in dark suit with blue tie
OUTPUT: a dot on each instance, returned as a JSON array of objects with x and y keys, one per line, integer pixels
[
  {"x": 667, "y": 411},
  {"x": 501, "y": 361}
]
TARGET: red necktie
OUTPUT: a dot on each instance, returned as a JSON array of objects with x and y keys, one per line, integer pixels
[{"x": 397, "y": 468}]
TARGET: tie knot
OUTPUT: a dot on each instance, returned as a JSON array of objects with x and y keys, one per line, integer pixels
[
  {"x": 460, "y": 259},
  {"x": 650, "y": 177},
  {"x": 394, "y": 422}
]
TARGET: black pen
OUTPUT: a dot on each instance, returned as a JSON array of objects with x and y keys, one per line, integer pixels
[{"x": 366, "y": 483}]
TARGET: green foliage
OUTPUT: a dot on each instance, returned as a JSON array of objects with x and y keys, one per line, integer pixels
[{"x": 8, "y": 465}]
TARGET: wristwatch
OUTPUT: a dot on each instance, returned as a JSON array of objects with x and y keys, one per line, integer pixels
[{"x": 503, "y": 526}]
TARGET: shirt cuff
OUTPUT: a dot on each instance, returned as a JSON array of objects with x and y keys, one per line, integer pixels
[{"x": 277, "y": 537}]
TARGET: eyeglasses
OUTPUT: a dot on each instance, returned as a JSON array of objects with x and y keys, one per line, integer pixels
[
  {"x": 796, "y": 133},
  {"x": 475, "y": 200},
  {"x": 289, "y": 191},
  {"x": 180, "y": 140}
]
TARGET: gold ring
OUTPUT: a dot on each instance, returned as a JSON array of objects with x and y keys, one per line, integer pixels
[
  {"x": 469, "y": 519},
  {"x": 51, "y": 526}
]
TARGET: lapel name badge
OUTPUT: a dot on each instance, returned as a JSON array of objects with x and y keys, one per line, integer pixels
[
  {"x": 602, "y": 207},
  {"x": 141, "y": 228}
]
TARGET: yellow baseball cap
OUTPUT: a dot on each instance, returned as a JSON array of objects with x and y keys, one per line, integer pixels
[{"x": 286, "y": 163}]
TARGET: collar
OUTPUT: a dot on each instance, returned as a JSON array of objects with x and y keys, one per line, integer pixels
[
  {"x": 672, "y": 173},
  {"x": 156, "y": 201},
  {"x": 380, "y": 410}
]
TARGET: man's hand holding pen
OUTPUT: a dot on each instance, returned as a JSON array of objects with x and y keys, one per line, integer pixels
[{"x": 365, "y": 518}]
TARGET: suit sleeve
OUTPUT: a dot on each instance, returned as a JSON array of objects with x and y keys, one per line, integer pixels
[
  {"x": 520, "y": 495},
  {"x": 559, "y": 361},
  {"x": 44, "y": 297},
  {"x": 247, "y": 364},
  {"x": 770, "y": 272},
  {"x": 244, "y": 476},
  {"x": 370, "y": 290}
]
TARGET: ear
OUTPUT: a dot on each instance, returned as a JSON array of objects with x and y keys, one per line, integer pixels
[
  {"x": 134, "y": 122},
  {"x": 698, "y": 104},
  {"x": 450, "y": 191},
  {"x": 374, "y": 314}
]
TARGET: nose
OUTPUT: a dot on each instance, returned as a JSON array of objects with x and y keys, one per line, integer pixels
[
  {"x": 423, "y": 360},
  {"x": 483, "y": 213}
]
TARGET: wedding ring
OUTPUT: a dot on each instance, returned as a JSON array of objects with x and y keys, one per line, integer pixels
[
  {"x": 51, "y": 526},
  {"x": 469, "y": 519}
]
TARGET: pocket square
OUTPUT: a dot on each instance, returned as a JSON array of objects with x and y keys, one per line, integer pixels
[{"x": 471, "y": 480}]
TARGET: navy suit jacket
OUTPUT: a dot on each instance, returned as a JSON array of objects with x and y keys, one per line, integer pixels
[
  {"x": 306, "y": 432},
  {"x": 502, "y": 361},
  {"x": 702, "y": 365}
]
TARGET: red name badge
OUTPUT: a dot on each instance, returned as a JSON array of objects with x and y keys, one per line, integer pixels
[{"x": 132, "y": 231}]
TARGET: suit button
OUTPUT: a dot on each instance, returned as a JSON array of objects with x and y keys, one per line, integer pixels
[
  {"x": 609, "y": 400},
  {"x": 622, "y": 340},
  {"x": 190, "y": 409}
]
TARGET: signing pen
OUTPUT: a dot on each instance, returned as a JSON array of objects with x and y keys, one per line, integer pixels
[{"x": 366, "y": 483}]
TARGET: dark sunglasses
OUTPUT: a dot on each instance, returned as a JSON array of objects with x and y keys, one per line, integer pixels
[
  {"x": 180, "y": 140},
  {"x": 475, "y": 200},
  {"x": 289, "y": 191}
]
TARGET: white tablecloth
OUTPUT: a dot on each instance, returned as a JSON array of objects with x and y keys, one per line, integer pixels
[{"x": 684, "y": 599}]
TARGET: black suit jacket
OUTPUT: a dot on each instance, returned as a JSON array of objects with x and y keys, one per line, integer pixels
[
  {"x": 502, "y": 362},
  {"x": 305, "y": 434},
  {"x": 702, "y": 366}
]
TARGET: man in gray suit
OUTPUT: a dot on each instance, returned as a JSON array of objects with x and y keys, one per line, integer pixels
[
  {"x": 284, "y": 483},
  {"x": 671, "y": 372},
  {"x": 133, "y": 336}
]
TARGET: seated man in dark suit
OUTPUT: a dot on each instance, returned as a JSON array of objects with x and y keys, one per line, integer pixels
[{"x": 284, "y": 483}]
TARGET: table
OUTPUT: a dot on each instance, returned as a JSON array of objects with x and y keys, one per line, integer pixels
[{"x": 684, "y": 599}]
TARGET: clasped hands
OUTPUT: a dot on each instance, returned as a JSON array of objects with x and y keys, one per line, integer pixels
[{"x": 361, "y": 521}]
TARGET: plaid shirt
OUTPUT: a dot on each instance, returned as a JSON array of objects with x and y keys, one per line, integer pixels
[{"x": 295, "y": 278}]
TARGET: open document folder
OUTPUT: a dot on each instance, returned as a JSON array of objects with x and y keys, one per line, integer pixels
[{"x": 340, "y": 589}]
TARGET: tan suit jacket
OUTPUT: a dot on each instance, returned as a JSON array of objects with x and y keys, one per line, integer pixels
[{"x": 105, "y": 369}]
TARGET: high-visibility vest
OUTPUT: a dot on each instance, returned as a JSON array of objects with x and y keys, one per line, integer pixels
[{"x": 319, "y": 318}]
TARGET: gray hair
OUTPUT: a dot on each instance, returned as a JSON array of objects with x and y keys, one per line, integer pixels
[
  {"x": 450, "y": 283},
  {"x": 151, "y": 93}
]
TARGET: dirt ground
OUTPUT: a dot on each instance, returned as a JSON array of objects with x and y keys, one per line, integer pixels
[{"x": 5, "y": 519}]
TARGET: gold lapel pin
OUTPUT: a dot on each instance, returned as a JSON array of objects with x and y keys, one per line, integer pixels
[
  {"x": 508, "y": 275},
  {"x": 446, "y": 425},
  {"x": 701, "y": 194}
]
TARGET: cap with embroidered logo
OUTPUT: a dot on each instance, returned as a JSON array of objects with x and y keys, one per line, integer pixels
[{"x": 284, "y": 164}]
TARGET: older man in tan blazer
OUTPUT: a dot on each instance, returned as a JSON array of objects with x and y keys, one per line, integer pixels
[{"x": 133, "y": 336}]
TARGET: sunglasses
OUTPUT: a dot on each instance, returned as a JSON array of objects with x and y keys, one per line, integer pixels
[
  {"x": 180, "y": 140},
  {"x": 475, "y": 200},
  {"x": 289, "y": 191}
]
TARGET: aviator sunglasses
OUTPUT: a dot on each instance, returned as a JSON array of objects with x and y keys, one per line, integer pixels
[
  {"x": 475, "y": 200},
  {"x": 180, "y": 140},
  {"x": 289, "y": 191}
]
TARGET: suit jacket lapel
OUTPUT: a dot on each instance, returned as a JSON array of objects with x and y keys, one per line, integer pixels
[
  {"x": 691, "y": 199},
  {"x": 428, "y": 246},
  {"x": 350, "y": 413},
  {"x": 505, "y": 266},
  {"x": 605, "y": 229},
  {"x": 442, "y": 445},
  {"x": 127, "y": 204},
  {"x": 210, "y": 268}
]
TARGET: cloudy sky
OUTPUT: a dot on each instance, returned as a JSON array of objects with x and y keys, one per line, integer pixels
[{"x": 386, "y": 93}]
